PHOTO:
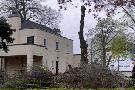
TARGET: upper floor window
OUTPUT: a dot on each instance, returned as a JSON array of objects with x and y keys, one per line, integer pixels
[
  {"x": 57, "y": 45},
  {"x": 45, "y": 43},
  {"x": 30, "y": 40}
]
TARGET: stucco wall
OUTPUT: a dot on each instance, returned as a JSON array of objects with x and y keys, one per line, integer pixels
[
  {"x": 15, "y": 23},
  {"x": 76, "y": 60},
  {"x": 64, "y": 54},
  {"x": 50, "y": 55}
]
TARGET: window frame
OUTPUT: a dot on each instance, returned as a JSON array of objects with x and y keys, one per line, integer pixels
[
  {"x": 57, "y": 45},
  {"x": 30, "y": 40},
  {"x": 45, "y": 43}
]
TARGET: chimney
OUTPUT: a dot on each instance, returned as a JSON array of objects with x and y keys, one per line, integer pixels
[{"x": 14, "y": 20}]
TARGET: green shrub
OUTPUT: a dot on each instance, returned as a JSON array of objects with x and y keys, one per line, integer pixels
[
  {"x": 38, "y": 77},
  {"x": 92, "y": 76}
]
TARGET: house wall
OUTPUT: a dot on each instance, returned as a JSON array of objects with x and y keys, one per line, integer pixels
[
  {"x": 76, "y": 60},
  {"x": 50, "y": 55},
  {"x": 64, "y": 54},
  {"x": 15, "y": 23}
]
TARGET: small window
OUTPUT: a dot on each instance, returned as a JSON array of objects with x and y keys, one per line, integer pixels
[
  {"x": 57, "y": 45},
  {"x": 45, "y": 43},
  {"x": 30, "y": 40}
]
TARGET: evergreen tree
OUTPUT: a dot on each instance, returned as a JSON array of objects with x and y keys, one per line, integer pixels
[{"x": 5, "y": 34}]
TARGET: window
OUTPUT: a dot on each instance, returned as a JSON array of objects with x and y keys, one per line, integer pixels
[
  {"x": 57, "y": 45},
  {"x": 45, "y": 43},
  {"x": 30, "y": 40}
]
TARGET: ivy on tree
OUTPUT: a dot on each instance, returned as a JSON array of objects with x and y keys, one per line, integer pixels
[{"x": 83, "y": 44}]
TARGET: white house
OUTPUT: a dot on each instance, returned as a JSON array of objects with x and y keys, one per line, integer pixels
[{"x": 36, "y": 44}]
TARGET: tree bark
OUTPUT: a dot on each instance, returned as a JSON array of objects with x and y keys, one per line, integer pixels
[
  {"x": 104, "y": 57},
  {"x": 103, "y": 49},
  {"x": 83, "y": 44}
]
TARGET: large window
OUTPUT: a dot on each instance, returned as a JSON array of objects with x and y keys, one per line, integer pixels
[
  {"x": 30, "y": 40},
  {"x": 45, "y": 43},
  {"x": 57, "y": 45}
]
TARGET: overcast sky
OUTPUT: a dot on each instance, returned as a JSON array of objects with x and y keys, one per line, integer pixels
[{"x": 71, "y": 22}]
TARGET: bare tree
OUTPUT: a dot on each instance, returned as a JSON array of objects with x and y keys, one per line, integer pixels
[
  {"x": 105, "y": 31},
  {"x": 111, "y": 7},
  {"x": 31, "y": 9}
]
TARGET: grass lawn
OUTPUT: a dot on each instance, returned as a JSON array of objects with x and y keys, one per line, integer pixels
[{"x": 76, "y": 89}]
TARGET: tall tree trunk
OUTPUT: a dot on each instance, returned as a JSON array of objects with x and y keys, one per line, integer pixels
[
  {"x": 104, "y": 57},
  {"x": 91, "y": 51},
  {"x": 104, "y": 49},
  {"x": 83, "y": 44}
]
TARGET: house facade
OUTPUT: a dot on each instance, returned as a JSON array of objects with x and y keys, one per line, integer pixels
[
  {"x": 76, "y": 60},
  {"x": 36, "y": 44}
]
